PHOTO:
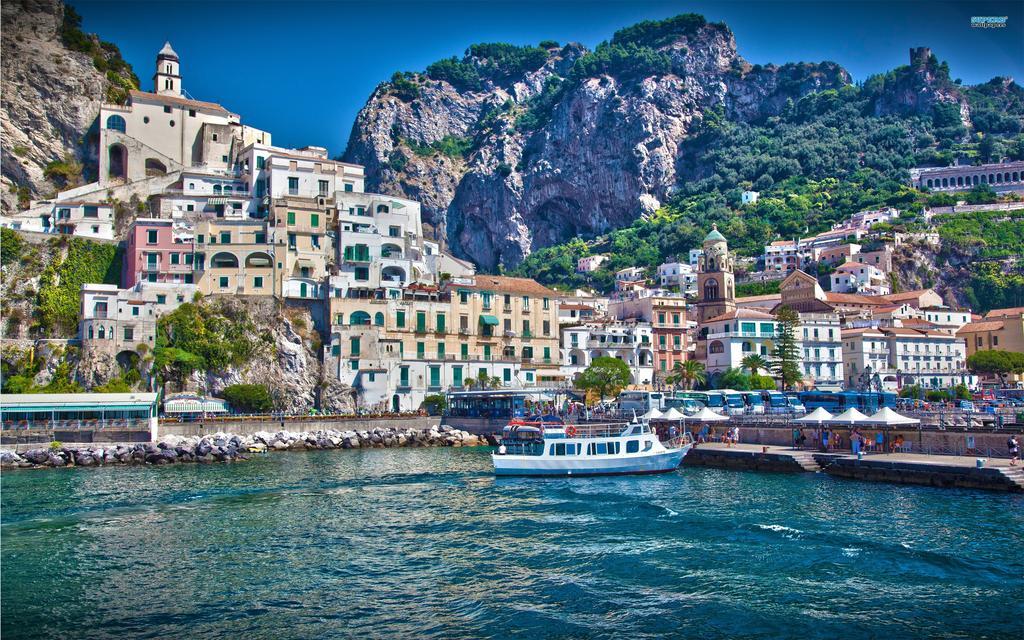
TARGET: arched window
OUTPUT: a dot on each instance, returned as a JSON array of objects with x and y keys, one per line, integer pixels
[
  {"x": 945, "y": 182},
  {"x": 711, "y": 290},
  {"x": 116, "y": 123},
  {"x": 90, "y": 332},
  {"x": 382, "y": 208},
  {"x": 929, "y": 183},
  {"x": 378, "y": 319},
  {"x": 227, "y": 189},
  {"x": 747, "y": 347},
  {"x": 716, "y": 347},
  {"x": 359, "y": 318},
  {"x": 216, "y": 189}
]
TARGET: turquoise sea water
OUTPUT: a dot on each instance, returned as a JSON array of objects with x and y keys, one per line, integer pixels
[{"x": 426, "y": 543}]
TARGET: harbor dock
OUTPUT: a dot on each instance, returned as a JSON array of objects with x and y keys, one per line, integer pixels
[{"x": 996, "y": 474}]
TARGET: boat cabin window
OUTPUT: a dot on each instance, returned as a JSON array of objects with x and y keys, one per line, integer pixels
[
  {"x": 637, "y": 430},
  {"x": 648, "y": 445},
  {"x": 563, "y": 449},
  {"x": 603, "y": 448},
  {"x": 633, "y": 446}
]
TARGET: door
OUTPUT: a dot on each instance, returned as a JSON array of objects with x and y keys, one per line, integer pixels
[
  {"x": 302, "y": 290},
  {"x": 394, "y": 403}
]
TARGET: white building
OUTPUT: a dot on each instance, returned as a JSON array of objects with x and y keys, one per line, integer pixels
[
  {"x": 947, "y": 318},
  {"x": 590, "y": 263},
  {"x": 627, "y": 279},
  {"x": 749, "y": 197},
  {"x": 734, "y": 335},
  {"x": 631, "y": 342},
  {"x": 895, "y": 357},
  {"x": 821, "y": 346},
  {"x": 695, "y": 255},
  {"x": 857, "y": 277},
  {"x": 678, "y": 274},
  {"x": 116, "y": 320}
]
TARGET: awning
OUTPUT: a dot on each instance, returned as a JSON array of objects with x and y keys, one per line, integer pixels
[
  {"x": 489, "y": 320},
  {"x": 216, "y": 201}
]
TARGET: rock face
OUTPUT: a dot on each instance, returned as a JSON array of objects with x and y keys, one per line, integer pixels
[
  {"x": 918, "y": 88},
  {"x": 49, "y": 97},
  {"x": 593, "y": 150}
]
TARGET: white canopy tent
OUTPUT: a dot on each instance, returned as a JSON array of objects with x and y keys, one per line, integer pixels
[
  {"x": 653, "y": 414},
  {"x": 707, "y": 415},
  {"x": 850, "y": 417},
  {"x": 818, "y": 416},
  {"x": 672, "y": 414},
  {"x": 890, "y": 418}
]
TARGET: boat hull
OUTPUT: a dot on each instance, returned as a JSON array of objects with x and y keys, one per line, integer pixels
[{"x": 662, "y": 462}]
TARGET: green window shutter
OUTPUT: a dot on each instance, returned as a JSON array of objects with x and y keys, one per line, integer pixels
[
  {"x": 435, "y": 376},
  {"x": 353, "y": 346},
  {"x": 336, "y": 350},
  {"x": 400, "y": 319},
  {"x": 314, "y": 220},
  {"x": 291, "y": 218},
  {"x": 421, "y": 321},
  {"x": 440, "y": 351},
  {"x": 487, "y": 352},
  {"x": 403, "y": 377},
  {"x": 440, "y": 323},
  {"x": 421, "y": 350},
  {"x": 767, "y": 328},
  {"x": 457, "y": 376},
  {"x": 547, "y": 354},
  {"x": 465, "y": 351},
  {"x": 508, "y": 375}
]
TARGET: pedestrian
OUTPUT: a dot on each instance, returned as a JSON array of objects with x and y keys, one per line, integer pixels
[
  {"x": 816, "y": 438},
  {"x": 802, "y": 439},
  {"x": 855, "y": 442},
  {"x": 736, "y": 435},
  {"x": 824, "y": 440},
  {"x": 796, "y": 437},
  {"x": 880, "y": 442},
  {"x": 1014, "y": 447}
]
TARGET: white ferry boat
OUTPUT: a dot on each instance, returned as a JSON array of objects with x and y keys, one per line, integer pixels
[{"x": 545, "y": 448}]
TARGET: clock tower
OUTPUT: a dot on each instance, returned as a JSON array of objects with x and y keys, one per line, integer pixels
[{"x": 716, "y": 284}]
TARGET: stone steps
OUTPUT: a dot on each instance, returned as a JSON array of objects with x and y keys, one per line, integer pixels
[
  {"x": 1014, "y": 475},
  {"x": 806, "y": 461}
]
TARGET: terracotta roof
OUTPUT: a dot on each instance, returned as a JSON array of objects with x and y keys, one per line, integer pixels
[
  {"x": 782, "y": 243},
  {"x": 528, "y": 286},
  {"x": 182, "y": 102},
  {"x": 915, "y": 322},
  {"x": 908, "y": 295},
  {"x": 978, "y": 327},
  {"x": 856, "y": 332},
  {"x": 749, "y": 314},
  {"x": 1003, "y": 313},
  {"x": 765, "y": 298},
  {"x": 853, "y": 298}
]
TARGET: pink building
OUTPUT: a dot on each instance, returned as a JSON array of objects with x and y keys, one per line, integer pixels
[{"x": 155, "y": 253}]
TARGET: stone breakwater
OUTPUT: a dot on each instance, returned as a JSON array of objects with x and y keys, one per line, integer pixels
[{"x": 226, "y": 447}]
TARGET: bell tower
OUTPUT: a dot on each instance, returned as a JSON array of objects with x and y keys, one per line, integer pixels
[
  {"x": 716, "y": 284},
  {"x": 167, "y": 79}
]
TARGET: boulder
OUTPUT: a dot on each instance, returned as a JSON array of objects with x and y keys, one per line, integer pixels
[{"x": 38, "y": 456}]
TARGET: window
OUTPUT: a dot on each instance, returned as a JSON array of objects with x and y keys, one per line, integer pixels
[
  {"x": 547, "y": 327},
  {"x": 171, "y": 123},
  {"x": 457, "y": 376},
  {"x": 224, "y": 159},
  {"x": 507, "y": 375},
  {"x": 215, "y": 137},
  {"x": 161, "y": 299},
  {"x": 90, "y": 211},
  {"x": 175, "y": 258},
  {"x": 661, "y": 317},
  {"x": 314, "y": 220},
  {"x": 400, "y": 319},
  {"x": 116, "y": 123},
  {"x": 421, "y": 350},
  {"x": 487, "y": 300},
  {"x": 526, "y": 328},
  {"x": 440, "y": 323},
  {"x": 464, "y": 297},
  {"x": 191, "y": 113},
  {"x": 394, "y": 232},
  {"x": 261, "y": 162},
  {"x": 464, "y": 351},
  {"x": 291, "y": 218},
  {"x": 435, "y": 376},
  {"x": 291, "y": 241},
  {"x": 293, "y": 187},
  {"x": 260, "y": 237},
  {"x": 323, "y": 186},
  {"x": 348, "y": 186},
  {"x": 675, "y": 318},
  {"x": 335, "y": 350},
  {"x": 257, "y": 282},
  {"x": 151, "y": 236},
  {"x": 633, "y": 446},
  {"x": 546, "y": 304},
  {"x": 225, "y": 237},
  {"x": 223, "y": 282},
  {"x": 421, "y": 321},
  {"x": 403, "y": 377},
  {"x": 135, "y": 311},
  {"x": 145, "y": 119},
  {"x": 353, "y": 346},
  {"x": 129, "y": 333},
  {"x": 440, "y": 351}
]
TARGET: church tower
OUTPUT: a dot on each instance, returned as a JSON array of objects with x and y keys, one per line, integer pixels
[
  {"x": 716, "y": 284},
  {"x": 167, "y": 79}
]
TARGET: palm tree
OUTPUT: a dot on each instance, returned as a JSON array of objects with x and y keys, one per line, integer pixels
[
  {"x": 754, "y": 363},
  {"x": 687, "y": 372}
]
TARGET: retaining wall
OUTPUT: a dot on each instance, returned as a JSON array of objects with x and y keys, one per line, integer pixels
[
  {"x": 742, "y": 460},
  {"x": 927, "y": 474},
  {"x": 246, "y": 427}
]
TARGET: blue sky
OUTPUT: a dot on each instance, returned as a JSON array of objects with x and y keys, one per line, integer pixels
[{"x": 304, "y": 69}]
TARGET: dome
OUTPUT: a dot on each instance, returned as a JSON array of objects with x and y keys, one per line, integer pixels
[
  {"x": 714, "y": 236},
  {"x": 167, "y": 52}
]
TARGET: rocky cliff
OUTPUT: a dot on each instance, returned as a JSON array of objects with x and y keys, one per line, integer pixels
[
  {"x": 54, "y": 78},
  {"x": 520, "y": 156}
]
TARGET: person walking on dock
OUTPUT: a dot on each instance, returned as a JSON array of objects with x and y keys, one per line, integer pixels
[{"x": 1014, "y": 447}]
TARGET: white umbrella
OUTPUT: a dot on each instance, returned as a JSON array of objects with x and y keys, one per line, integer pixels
[
  {"x": 817, "y": 416},
  {"x": 850, "y": 416},
  {"x": 890, "y": 418},
  {"x": 653, "y": 414},
  {"x": 672, "y": 414},
  {"x": 707, "y": 415}
]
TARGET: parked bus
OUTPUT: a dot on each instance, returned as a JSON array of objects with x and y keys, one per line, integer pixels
[
  {"x": 754, "y": 402},
  {"x": 837, "y": 402},
  {"x": 734, "y": 403},
  {"x": 775, "y": 402},
  {"x": 640, "y": 401},
  {"x": 714, "y": 400}
]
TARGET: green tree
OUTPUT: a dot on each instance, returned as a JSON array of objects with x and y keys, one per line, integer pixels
[
  {"x": 249, "y": 398},
  {"x": 754, "y": 363},
  {"x": 605, "y": 375},
  {"x": 732, "y": 379},
  {"x": 434, "y": 404},
  {"x": 996, "y": 362},
  {"x": 688, "y": 373},
  {"x": 786, "y": 355}
]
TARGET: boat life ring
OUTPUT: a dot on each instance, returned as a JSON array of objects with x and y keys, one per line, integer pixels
[{"x": 570, "y": 431}]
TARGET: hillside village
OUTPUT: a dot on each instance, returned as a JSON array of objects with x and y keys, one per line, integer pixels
[{"x": 212, "y": 218}]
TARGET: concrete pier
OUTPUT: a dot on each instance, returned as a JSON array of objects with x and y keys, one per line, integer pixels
[{"x": 900, "y": 468}]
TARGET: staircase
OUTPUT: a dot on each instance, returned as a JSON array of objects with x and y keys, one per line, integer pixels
[
  {"x": 1015, "y": 475},
  {"x": 806, "y": 460}
]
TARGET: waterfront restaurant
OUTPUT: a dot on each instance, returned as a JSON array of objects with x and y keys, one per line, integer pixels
[{"x": 80, "y": 411}]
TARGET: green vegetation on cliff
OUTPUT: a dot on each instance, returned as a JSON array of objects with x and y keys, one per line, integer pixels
[
  {"x": 106, "y": 56},
  {"x": 61, "y": 282}
]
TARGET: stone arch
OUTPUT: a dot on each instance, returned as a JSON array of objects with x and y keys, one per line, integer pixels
[
  {"x": 217, "y": 189},
  {"x": 391, "y": 273},
  {"x": 390, "y": 250},
  {"x": 929, "y": 183},
  {"x": 259, "y": 259},
  {"x": 383, "y": 208},
  {"x": 711, "y": 290},
  {"x": 117, "y": 162},
  {"x": 127, "y": 359},
  {"x": 155, "y": 168},
  {"x": 716, "y": 346},
  {"x": 224, "y": 260}
]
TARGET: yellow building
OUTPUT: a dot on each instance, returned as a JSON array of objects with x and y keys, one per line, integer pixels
[
  {"x": 1001, "y": 329},
  {"x": 235, "y": 257},
  {"x": 396, "y": 350},
  {"x": 305, "y": 250}
]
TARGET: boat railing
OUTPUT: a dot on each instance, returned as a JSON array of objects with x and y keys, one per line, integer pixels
[
  {"x": 595, "y": 430},
  {"x": 678, "y": 442}
]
